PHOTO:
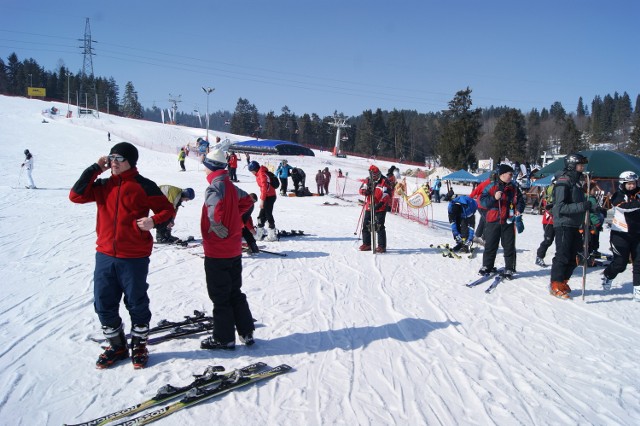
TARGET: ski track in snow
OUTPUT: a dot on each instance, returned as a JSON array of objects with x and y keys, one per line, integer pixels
[{"x": 374, "y": 339}]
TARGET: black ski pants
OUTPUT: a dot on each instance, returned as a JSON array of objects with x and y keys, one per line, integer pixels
[
  {"x": 549, "y": 236},
  {"x": 230, "y": 307},
  {"x": 568, "y": 246},
  {"x": 284, "y": 182},
  {"x": 266, "y": 213},
  {"x": 494, "y": 234},
  {"x": 624, "y": 245},
  {"x": 381, "y": 231}
]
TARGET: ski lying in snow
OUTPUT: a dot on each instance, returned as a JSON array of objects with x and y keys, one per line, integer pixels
[
  {"x": 198, "y": 394},
  {"x": 446, "y": 251},
  {"x": 169, "y": 392},
  {"x": 292, "y": 233},
  {"x": 182, "y": 331},
  {"x": 165, "y": 325},
  {"x": 274, "y": 253},
  {"x": 483, "y": 279}
]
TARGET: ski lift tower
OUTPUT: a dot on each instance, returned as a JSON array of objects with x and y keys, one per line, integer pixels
[
  {"x": 174, "y": 100},
  {"x": 339, "y": 123}
]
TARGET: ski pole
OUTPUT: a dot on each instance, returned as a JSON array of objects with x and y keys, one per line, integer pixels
[
  {"x": 359, "y": 220},
  {"x": 20, "y": 175},
  {"x": 586, "y": 233}
]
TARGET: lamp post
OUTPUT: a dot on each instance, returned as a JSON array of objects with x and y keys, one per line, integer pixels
[{"x": 208, "y": 91}]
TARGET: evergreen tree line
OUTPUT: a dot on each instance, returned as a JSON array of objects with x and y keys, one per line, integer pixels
[{"x": 457, "y": 137}]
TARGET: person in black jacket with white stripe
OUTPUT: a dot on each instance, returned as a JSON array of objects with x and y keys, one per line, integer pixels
[{"x": 625, "y": 232}]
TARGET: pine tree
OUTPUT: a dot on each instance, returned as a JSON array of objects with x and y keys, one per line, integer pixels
[
  {"x": 245, "y": 119},
  {"x": 510, "y": 137},
  {"x": 571, "y": 137},
  {"x": 130, "y": 105},
  {"x": 460, "y": 132}
]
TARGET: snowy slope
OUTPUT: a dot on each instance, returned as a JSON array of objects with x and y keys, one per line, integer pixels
[{"x": 384, "y": 339}]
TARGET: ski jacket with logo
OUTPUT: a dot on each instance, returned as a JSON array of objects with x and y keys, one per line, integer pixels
[
  {"x": 122, "y": 199},
  {"x": 224, "y": 204},
  {"x": 626, "y": 211},
  {"x": 477, "y": 192}
]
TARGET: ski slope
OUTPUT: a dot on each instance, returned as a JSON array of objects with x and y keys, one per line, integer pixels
[{"x": 373, "y": 339}]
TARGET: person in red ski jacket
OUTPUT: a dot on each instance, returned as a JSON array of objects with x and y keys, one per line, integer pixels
[
  {"x": 124, "y": 245},
  {"x": 267, "y": 199},
  {"x": 221, "y": 226},
  {"x": 503, "y": 201},
  {"x": 232, "y": 163},
  {"x": 380, "y": 187}
]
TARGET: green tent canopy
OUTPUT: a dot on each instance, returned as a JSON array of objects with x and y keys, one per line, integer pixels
[{"x": 602, "y": 164}]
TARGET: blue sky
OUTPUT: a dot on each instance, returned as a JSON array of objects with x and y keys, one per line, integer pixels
[{"x": 345, "y": 56}]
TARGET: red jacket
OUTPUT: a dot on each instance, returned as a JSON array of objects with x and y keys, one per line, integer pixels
[
  {"x": 224, "y": 203},
  {"x": 381, "y": 196},
  {"x": 477, "y": 192},
  {"x": 121, "y": 200},
  {"x": 262, "y": 178},
  {"x": 233, "y": 161}
]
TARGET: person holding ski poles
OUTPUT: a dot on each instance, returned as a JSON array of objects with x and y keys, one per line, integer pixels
[
  {"x": 377, "y": 185},
  {"x": 503, "y": 201},
  {"x": 569, "y": 207},
  {"x": 625, "y": 232}
]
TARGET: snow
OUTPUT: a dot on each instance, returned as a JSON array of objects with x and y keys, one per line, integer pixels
[{"x": 373, "y": 339}]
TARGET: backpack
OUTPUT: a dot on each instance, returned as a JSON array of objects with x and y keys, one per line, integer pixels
[
  {"x": 273, "y": 180},
  {"x": 549, "y": 194}
]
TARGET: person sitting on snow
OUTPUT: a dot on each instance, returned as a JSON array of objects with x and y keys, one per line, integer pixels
[{"x": 462, "y": 217}]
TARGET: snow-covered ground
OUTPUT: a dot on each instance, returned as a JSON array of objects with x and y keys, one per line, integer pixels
[{"x": 373, "y": 339}]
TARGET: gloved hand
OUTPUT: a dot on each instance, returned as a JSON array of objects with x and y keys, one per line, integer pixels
[
  {"x": 367, "y": 192},
  {"x": 589, "y": 207},
  {"x": 219, "y": 229}
]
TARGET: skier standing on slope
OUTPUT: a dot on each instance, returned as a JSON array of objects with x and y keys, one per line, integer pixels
[
  {"x": 267, "y": 201},
  {"x": 221, "y": 227},
  {"x": 28, "y": 165},
  {"x": 124, "y": 245},
  {"x": 503, "y": 201},
  {"x": 569, "y": 208},
  {"x": 282, "y": 173},
  {"x": 625, "y": 232},
  {"x": 377, "y": 185}
]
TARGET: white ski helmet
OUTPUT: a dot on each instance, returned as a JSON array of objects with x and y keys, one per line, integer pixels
[{"x": 628, "y": 176}]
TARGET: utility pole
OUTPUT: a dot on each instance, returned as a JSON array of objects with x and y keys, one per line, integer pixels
[
  {"x": 87, "y": 61},
  {"x": 339, "y": 123},
  {"x": 175, "y": 100},
  {"x": 208, "y": 91}
]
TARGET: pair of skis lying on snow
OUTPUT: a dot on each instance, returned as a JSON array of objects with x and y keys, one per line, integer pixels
[
  {"x": 205, "y": 386},
  {"x": 497, "y": 276}
]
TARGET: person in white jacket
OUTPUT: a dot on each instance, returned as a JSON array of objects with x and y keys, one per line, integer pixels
[{"x": 28, "y": 164}]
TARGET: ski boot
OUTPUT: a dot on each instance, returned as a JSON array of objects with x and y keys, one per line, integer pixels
[
  {"x": 117, "y": 349},
  {"x": 211, "y": 343},
  {"x": 139, "y": 353}
]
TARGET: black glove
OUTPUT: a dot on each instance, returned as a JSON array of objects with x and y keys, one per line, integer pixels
[
  {"x": 367, "y": 192},
  {"x": 378, "y": 206}
]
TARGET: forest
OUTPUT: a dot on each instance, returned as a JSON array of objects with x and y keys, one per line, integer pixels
[{"x": 456, "y": 137}]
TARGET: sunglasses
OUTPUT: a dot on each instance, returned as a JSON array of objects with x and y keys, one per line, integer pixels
[{"x": 118, "y": 158}]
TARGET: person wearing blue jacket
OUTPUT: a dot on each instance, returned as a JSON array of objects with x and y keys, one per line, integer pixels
[
  {"x": 462, "y": 217},
  {"x": 283, "y": 172}
]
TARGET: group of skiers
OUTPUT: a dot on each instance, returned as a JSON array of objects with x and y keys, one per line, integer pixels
[{"x": 567, "y": 208}]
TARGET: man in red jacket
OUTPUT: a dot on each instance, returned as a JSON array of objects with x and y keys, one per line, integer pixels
[
  {"x": 124, "y": 245},
  {"x": 221, "y": 226},
  {"x": 379, "y": 186},
  {"x": 267, "y": 200}
]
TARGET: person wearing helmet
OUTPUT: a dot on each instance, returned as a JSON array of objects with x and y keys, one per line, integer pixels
[
  {"x": 625, "y": 232},
  {"x": 282, "y": 173},
  {"x": 266, "y": 201},
  {"x": 377, "y": 185},
  {"x": 176, "y": 197},
  {"x": 28, "y": 165},
  {"x": 569, "y": 208}
]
